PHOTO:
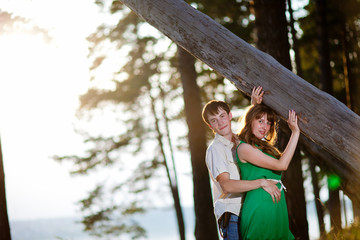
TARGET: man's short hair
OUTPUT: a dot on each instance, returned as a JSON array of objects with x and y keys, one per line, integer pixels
[{"x": 212, "y": 108}]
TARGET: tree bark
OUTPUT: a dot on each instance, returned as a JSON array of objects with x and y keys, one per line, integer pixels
[
  {"x": 334, "y": 210},
  {"x": 4, "y": 220},
  {"x": 321, "y": 23},
  {"x": 271, "y": 29},
  {"x": 205, "y": 224},
  {"x": 323, "y": 119}
]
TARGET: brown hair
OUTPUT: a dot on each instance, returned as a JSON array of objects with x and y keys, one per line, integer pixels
[
  {"x": 246, "y": 135},
  {"x": 212, "y": 108}
]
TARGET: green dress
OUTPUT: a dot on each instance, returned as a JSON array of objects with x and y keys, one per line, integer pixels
[{"x": 260, "y": 217}]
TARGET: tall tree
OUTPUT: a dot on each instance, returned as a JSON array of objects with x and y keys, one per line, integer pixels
[
  {"x": 138, "y": 62},
  {"x": 311, "y": 162},
  {"x": 10, "y": 23},
  {"x": 138, "y": 91},
  {"x": 271, "y": 26},
  {"x": 4, "y": 220},
  {"x": 316, "y": 190},
  {"x": 170, "y": 174},
  {"x": 327, "y": 86},
  {"x": 205, "y": 225},
  {"x": 326, "y": 78}
]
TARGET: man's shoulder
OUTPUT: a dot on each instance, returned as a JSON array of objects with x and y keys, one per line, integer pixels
[{"x": 216, "y": 144}]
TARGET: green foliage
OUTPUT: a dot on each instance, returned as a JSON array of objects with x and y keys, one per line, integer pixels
[{"x": 342, "y": 16}]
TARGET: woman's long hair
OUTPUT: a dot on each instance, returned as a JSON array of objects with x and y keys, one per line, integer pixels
[{"x": 245, "y": 134}]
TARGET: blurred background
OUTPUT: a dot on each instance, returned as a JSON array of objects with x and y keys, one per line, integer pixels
[{"x": 95, "y": 119}]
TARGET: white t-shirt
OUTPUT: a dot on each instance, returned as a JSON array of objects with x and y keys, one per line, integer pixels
[{"x": 219, "y": 159}]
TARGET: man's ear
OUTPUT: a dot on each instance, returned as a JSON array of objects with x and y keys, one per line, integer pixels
[{"x": 230, "y": 115}]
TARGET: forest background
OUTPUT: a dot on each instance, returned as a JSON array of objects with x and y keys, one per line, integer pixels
[{"x": 145, "y": 93}]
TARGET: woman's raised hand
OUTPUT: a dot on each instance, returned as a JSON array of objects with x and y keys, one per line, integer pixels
[
  {"x": 256, "y": 95},
  {"x": 293, "y": 121}
]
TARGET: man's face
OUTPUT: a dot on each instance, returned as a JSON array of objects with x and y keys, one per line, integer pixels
[{"x": 221, "y": 122}]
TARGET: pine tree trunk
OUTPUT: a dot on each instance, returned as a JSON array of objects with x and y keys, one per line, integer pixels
[
  {"x": 353, "y": 91},
  {"x": 4, "y": 220},
  {"x": 314, "y": 177},
  {"x": 205, "y": 224},
  {"x": 318, "y": 204},
  {"x": 354, "y": 84},
  {"x": 356, "y": 211},
  {"x": 334, "y": 209},
  {"x": 295, "y": 45},
  {"x": 175, "y": 189},
  {"x": 172, "y": 184},
  {"x": 326, "y": 78},
  {"x": 271, "y": 26},
  {"x": 327, "y": 86}
]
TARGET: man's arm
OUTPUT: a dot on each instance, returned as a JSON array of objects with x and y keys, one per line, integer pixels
[{"x": 238, "y": 186}]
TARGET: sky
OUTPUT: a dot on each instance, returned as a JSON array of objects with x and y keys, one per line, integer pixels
[
  {"x": 40, "y": 83},
  {"x": 39, "y": 87}
]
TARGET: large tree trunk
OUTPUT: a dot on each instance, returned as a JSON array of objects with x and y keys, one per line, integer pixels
[
  {"x": 350, "y": 39},
  {"x": 271, "y": 29},
  {"x": 334, "y": 209},
  {"x": 272, "y": 38},
  {"x": 326, "y": 79},
  {"x": 354, "y": 84},
  {"x": 323, "y": 119},
  {"x": 205, "y": 224},
  {"x": 316, "y": 190},
  {"x": 314, "y": 177},
  {"x": 4, "y": 220},
  {"x": 295, "y": 45},
  {"x": 327, "y": 86}
]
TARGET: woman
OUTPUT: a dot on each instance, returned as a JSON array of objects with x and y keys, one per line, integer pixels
[{"x": 258, "y": 158}]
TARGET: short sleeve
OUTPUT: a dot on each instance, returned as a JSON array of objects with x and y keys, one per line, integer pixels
[{"x": 216, "y": 161}]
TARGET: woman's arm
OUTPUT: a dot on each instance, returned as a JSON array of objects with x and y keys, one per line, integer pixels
[
  {"x": 248, "y": 153},
  {"x": 257, "y": 95}
]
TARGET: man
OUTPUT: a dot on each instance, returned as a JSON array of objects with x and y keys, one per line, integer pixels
[{"x": 223, "y": 169}]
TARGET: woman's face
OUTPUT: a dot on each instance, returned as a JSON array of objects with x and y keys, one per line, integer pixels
[{"x": 260, "y": 127}]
